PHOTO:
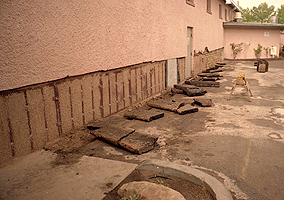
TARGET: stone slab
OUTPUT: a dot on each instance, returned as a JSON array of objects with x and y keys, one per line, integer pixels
[
  {"x": 203, "y": 83},
  {"x": 145, "y": 115},
  {"x": 149, "y": 191},
  {"x": 165, "y": 105},
  {"x": 210, "y": 75},
  {"x": 203, "y": 102},
  {"x": 187, "y": 109},
  {"x": 191, "y": 90},
  {"x": 176, "y": 91},
  {"x": 184, "y": 101},
  {"x": 215, "y": 70},
  {"x": 111, "y": 133},
  {"x": 210, "y": 78},
  {"x": 138, "y": 143}
]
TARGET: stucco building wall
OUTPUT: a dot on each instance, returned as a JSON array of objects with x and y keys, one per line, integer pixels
[
  {"x": 251, "y": 37},
  {"x": 282, "y": 38},
  {"x": 66, "y": 63},
  {"x": 48, "y": 40}
]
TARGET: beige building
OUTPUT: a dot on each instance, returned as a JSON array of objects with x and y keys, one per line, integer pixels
[{"x": 252, "y": 34}]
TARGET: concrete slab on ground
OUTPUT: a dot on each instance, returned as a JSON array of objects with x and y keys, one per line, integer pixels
[{"x": 42, "y": 175}]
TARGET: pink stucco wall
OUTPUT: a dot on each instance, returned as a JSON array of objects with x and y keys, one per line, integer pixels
[
  {"x": 282, "y": 38},
  {"x": 46, "y": 40},
  {"x": 251, "y": 38}
]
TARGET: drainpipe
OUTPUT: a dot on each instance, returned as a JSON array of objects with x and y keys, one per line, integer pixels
[
  {"x": 236, "y": 7},
  {"x": 230, "y": 13}
]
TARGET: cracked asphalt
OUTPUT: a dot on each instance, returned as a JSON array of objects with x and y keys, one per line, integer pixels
[{"x": 238, "y": 142}]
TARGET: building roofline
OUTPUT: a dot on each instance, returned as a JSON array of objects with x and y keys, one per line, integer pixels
[
  {"x": 233, "y": 4},
  {"x": 252, "y": 25}
]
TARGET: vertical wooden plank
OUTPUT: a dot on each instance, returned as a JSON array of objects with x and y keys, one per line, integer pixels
[
  {"x": 105, "y": 93},
  {"x": 87, "y": 97},
  {"x": 126, "y": 78},
  {"x": 57, "y": 108},
  {"x": 76, "y": 98},
  {"x": 120, "y": 90},
  {"x": 37, "y": 121},
  {"x": 133, "y": 85},
  {"x": 29, "y": 120},
  {"x": 163, "y": 75},
  {"x": 5, "y": 143},
  {"x": 50, "y": 111},
  {"x": 130, "y": 87},
  {"x": 83, "y": 105},
  {"x": 65, "y": 105},
  {"x": 96, "y": 97},
  {"x": 112, "y": 90},
  {"x": 152, "y": 78},
  {"x": 19, "y": 123},
  {"x": 101, "y": 96},
  {"x": 157, "y": 89},
  {"x": 136, "y": 84},
  {"x": 143, "y": 82},
  {"x": 147, "y": 76},
  {"x": 159, "y": 77},
  {"x": 138, "y": 79},
  {"x": 181, "y": 67}
]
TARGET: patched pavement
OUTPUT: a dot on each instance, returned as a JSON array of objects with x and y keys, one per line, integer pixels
[{"x": 237, "y": 141}]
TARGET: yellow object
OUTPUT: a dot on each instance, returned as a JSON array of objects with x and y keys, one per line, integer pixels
[
  {"x": 242, "y": 82},
  {"x": 241, "y": 76}
]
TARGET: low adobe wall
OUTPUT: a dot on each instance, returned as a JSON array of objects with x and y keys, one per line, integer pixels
[{"x": 207, "y": 60}]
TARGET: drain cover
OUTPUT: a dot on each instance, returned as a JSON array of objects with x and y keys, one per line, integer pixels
[{"x": 275, "y": 136}]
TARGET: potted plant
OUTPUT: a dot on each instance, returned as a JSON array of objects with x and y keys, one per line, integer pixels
[
  {"x": 237, "y": 48},
  {"x": 258, "y": 51}
]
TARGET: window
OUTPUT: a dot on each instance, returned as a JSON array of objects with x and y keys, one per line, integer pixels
[
  {"x": 226, "y": 14},
  {"x": 209, "y": 6},
  {"x": 220, "y": 11},
  {"x": 190, "y": 2}
]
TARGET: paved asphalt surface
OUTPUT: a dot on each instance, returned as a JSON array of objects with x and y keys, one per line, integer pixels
[{"x": 238, "y": 142}]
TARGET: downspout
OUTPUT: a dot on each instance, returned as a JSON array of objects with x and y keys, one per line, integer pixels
[
  {"x": 236, "y": 7},
  {"x": 230, "y": 13}
]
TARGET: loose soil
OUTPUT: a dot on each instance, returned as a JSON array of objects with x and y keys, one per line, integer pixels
[{"x": 189, "y": 190}]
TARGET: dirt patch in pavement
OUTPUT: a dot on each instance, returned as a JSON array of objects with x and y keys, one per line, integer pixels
[{"x": 189, "y": 190}]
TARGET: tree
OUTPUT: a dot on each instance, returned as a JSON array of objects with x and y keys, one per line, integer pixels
[
  {"x": 280, "y": 13},
  {"x": 262, "y": 13},
  {"x": 247, "y": 15}
]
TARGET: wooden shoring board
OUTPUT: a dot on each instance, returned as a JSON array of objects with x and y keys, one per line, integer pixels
[{"x": 145, "y": 115}]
